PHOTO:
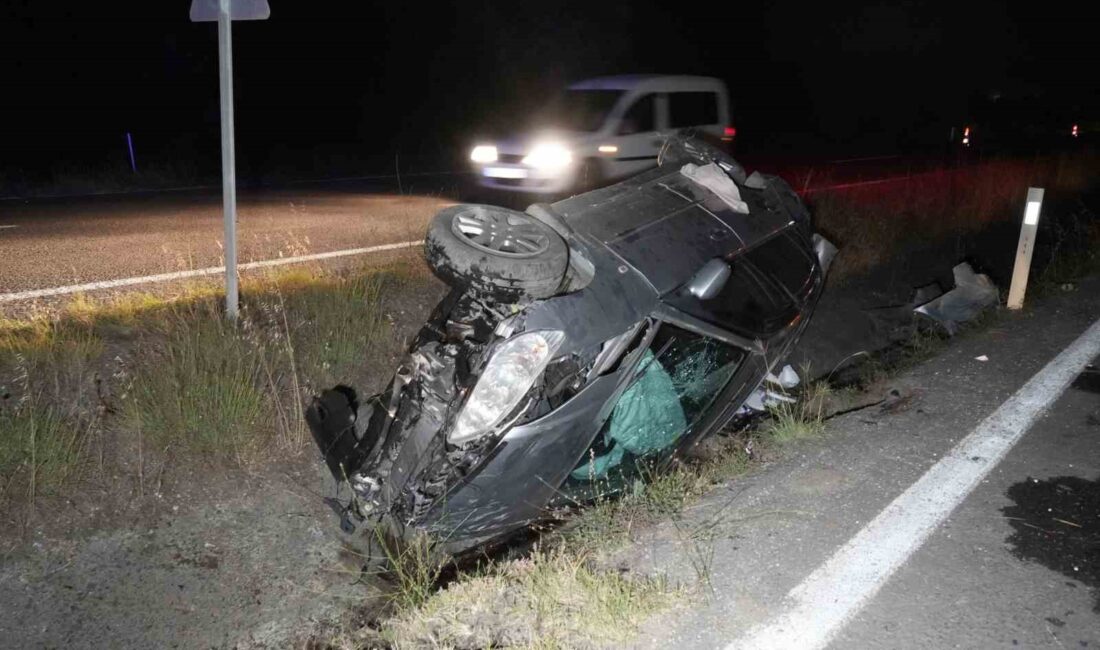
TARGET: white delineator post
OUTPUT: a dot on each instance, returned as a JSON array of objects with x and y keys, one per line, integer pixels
[
  {"x": 1025, "y": 248},
  {"x": 229, "y": 174}
]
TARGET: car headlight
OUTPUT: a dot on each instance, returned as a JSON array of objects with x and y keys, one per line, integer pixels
[
  {"x": 510, "y": 373},
  {"x": 549, "y": 156},
  {"x": 484, "y": 153}
]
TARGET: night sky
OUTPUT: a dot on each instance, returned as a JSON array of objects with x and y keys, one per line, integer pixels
[{"x": 339, "y": 87}]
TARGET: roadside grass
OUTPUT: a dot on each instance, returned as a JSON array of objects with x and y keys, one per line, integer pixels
[
  {"x": 921, "y": 344},
  {"x": 47, "y": 405},
  {"x": 553, "y": 598},
  {"x": 170, "y": 374},
  {"x": 872, "y": 224},
  {"x": 198, "y": 384},
  {"x": 1075, "y": 254},
  {"x": 799, "y": 420}
]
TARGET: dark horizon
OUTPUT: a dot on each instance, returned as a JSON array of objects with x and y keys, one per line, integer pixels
[{"x": 319, "y": 91}]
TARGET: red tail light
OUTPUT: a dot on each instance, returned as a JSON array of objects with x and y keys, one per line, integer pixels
[{"x": 729, "y": 132}]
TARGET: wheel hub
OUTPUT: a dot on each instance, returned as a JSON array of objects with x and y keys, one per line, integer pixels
[{"x": 507, "y": 234}]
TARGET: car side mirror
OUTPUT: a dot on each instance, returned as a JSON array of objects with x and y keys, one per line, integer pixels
[{"x": 709, "y": 280}]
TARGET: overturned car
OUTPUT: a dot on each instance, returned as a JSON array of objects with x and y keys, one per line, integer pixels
[{"x": 581, "y": 343}]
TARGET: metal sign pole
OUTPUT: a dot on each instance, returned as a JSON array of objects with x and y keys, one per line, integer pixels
[{"x": 229, "y": 174}]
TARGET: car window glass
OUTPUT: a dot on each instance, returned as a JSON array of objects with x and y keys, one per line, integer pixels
[
  {"x": 692, "y": 109},
  {"x": 785, "y": 262},
  {"x": 640, "y": 117},
  {"x": 762, "y": 294},
  {"x": 673, "y": 385}
]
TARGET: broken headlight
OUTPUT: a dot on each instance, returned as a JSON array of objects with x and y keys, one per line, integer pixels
[{"x": 510, "y": 373}]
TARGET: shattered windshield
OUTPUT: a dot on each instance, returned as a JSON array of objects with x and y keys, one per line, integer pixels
[
  {"x": 581, "y": 110},
  {"x": 675, "y": 382}
]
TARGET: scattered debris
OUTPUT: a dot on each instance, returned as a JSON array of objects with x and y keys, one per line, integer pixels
[
  {"x": 714, "y": 179},
  {"x": 973, "y": 293},
  {"x": 787, "y": 378},
  {"x": 981, "y": 357}
]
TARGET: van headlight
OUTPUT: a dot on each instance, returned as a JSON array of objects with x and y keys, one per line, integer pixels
[
  {"x": 549, "y": 157},
  {"x": 510, "y": 373},
  {"x": 484, "y": 153}
]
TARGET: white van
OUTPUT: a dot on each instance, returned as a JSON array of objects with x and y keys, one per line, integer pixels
[{"x": 602, "y": 130}]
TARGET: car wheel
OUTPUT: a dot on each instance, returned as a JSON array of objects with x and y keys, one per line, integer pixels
[{"x": 495, "y": 248}]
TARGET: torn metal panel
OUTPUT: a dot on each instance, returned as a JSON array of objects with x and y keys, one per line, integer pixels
[{"x": 973, "y": 293}]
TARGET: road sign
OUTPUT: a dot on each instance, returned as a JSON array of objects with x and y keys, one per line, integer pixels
[
  {"x": 224, "y": 12},
  {"x": 206, "y": 11}
]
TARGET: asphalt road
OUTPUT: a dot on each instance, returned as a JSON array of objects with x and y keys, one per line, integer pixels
[
  {"x": 55, "y": 242},
  {"x": 1014, "y": 565}
]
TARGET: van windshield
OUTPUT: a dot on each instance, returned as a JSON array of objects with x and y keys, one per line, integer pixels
[{"x": 581, "y": 110}]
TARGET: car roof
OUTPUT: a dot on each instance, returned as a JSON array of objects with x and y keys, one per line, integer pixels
[{"x": 632, "y": 81}]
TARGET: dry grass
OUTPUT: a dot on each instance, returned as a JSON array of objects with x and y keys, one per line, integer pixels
[
  {"x": 554, "y": 598},
  {"x": 170, "y": 374},
  {"x": 800, "y": 420},
  {"x": 871, "y": 224},
  {"x": 47, "y": 403}
]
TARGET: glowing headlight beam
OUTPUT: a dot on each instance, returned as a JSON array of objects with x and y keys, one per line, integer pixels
[
  {"x": 484, "y": 153},
  {"x": 549, "y": 156}
]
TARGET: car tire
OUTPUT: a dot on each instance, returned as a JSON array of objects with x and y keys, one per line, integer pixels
[{"x": 496, "y": 249}]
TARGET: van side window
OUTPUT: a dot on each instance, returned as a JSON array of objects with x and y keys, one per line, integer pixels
[
  {"x": 640, "y": 117},
  {"x": 692, "y": 109}
]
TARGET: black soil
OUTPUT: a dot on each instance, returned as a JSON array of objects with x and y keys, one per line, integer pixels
[{"x": 1056, "y": 523}]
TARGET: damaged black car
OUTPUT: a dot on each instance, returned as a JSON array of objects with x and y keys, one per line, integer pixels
[{"x": 582, "y": 343}]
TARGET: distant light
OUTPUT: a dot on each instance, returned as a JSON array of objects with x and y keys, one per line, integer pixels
[
  {"x": 966, "y": 132},
  {"x": 966, "y": 141},
  {"x": 484, "y": 153},
  {"x": 608, "y": 148},
  {"x": 1073, "y": 131},
  {"x": 1031, "y": 213}
]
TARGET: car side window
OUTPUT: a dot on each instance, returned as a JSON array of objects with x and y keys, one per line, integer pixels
[
  {"x": 785, "y": 262},
  {"x": 687, "y": 109},
  {"x": 763, "y": 293},
  {"x": 641, "y": 117}
]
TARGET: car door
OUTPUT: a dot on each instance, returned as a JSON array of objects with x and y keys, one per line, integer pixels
[{"x": 635, "y": 144}]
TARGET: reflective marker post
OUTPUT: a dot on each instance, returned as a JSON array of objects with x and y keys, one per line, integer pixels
[
  {"x": 229, "y": 170},
  {"x": 1025, "y": 248},
  {"x": 225, "y": 12}
]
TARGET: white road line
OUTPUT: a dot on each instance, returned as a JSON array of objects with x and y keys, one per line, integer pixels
[
  {"x": 826, "y": 600},
  {"x": 213, "y": 270},
  {"x": 7, "y": 227}
]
